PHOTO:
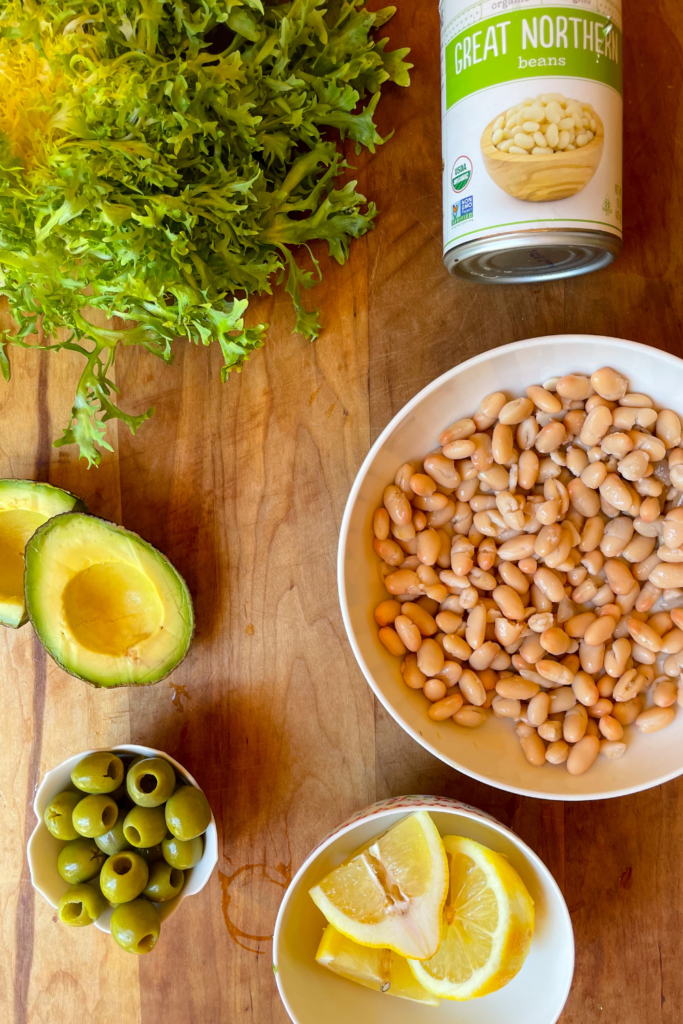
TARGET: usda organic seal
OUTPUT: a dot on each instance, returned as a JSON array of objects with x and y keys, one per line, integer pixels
[
  {"x": 461, "y": 175},
  {"x": 532, "y": 137}
]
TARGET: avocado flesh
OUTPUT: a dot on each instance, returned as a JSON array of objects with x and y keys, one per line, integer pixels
[
  {"x": 24, "y": 506},
  {"x": 106, "y": 605}
]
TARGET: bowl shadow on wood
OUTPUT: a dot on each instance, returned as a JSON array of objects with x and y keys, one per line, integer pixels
[
  {"x": 188, "y": 541},
  {"x": 239, "y": 754},
  {"x": 543, "y": 179},
  {"x": 414, "y": 769}
]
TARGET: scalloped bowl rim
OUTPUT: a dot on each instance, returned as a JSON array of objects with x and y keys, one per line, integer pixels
[
  {"x": 196, "y": 878},
  {"x": 556, "y": 917}
]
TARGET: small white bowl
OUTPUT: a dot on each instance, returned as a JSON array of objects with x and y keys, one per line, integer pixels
[
  {"x": 43, "y": 849},
  {"x": 312, "y": 993},
  {"x": 492, "y": 753}
]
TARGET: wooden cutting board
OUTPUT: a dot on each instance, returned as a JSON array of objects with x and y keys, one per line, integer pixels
[{"x": 243, "y": 486}]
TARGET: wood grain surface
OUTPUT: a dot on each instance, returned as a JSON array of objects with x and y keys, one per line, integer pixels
[{"x": 243, "y": 486}]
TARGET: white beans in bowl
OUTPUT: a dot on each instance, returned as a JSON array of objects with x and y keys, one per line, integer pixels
[
  {"x": 533, "y": 565},
  {"x": 549, "y": 124}
]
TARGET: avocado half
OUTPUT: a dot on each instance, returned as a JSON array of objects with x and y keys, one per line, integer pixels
[
  {"x": 106, "y": 605},
  {"x": 24, "y": 506}
]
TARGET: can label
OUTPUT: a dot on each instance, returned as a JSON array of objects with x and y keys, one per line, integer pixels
[{"x": 532, "y": 116}]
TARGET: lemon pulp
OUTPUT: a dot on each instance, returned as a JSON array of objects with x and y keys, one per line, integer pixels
[
  {"x": 390, "y": 893},
  {"x": 487, "y": 925},
  {"x": 379, "y": 969}
]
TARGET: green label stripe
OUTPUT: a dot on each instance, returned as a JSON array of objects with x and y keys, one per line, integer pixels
[
  {"x": 535, "y": 43},
  {"x": 613, "y": 229}
]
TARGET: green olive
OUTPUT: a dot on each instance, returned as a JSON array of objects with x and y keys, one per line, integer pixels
[
  {"x": 182, "y": 854},
  {"x": 151, "y": 853},
  {"x": 58, "y": 814},
  {"x": 114, "y": 840},
  {"x": 145, "y": 826},
  {"x": 188, "y": 813},
  {"x": 123, "y": 877},
  {"x": 80, "y": 861},
  {"x": 94, "y": 815},
  {"x": 150, "y": 782},
  {"x": 164, "y": 882},
  {"x": 98, "y": 773},
  {"x": 81, "y": 905},
  {"x": 135, "y": 926}
]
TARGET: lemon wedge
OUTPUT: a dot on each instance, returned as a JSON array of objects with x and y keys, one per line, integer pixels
[
  {"x": 390, "y": 894},
  {"x": 379, "y": 969},
  {"x": 487, "y": 925}
]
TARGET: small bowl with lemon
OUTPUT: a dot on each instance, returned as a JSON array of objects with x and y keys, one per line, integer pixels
[{"x": 433, "y": 902}]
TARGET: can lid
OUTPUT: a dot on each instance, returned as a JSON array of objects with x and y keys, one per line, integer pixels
[{"x": 529, "y": 256}]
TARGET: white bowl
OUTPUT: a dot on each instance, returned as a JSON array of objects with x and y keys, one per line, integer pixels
[
  {"x": 43, "y": 849},
  {"x": 312, "y": 993},
  {"x": 492, "y": 753}
]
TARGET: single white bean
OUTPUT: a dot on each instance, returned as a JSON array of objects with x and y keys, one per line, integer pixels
[
  {"x": 538, "y": 709},
  {"x": 582, "y": 755},
  {"x": 612, "y": 749},
  {"x": 470, "y": 717},
  {"x": 506, "y": 707},
  {"x": 557, "y": 752},
  {"x": 534, "y": 749},
  {"x": 655, "y": 719}
]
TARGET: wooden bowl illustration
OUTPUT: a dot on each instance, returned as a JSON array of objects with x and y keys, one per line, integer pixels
[{"x": 543, "y": 179}]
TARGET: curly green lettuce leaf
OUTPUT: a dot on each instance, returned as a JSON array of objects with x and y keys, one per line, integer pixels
[
  {"x": 160, "y": 162},
  {"x": 5, "y": 368}
]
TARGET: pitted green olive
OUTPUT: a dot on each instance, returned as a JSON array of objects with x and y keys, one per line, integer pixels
[
  {"x": 188, "y": 813},
  {"x": 58, "y": 815},
  {"x": 114, "y": 840},
  {"x": 94, "y": 815},
  {"x": 164, "y": 882},
  {"x": 81, "y": 905},
  {"x": 145, "y": 826},
  {"x": 135, "y": 926},
  {"x": 123, "y": 876},
  {"x": 182, "y": 854},
  {"x": 150, "y": 782},
  {"x": 80, "y": 861},
  {"x": 98, "y": 773}
]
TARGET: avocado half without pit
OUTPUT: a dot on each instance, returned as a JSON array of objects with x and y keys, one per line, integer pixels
[
  {"x": 106, "y": 605},
  {"x": 24, "y": 506}
]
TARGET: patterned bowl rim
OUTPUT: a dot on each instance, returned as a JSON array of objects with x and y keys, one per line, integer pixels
[{"x": 413, "y": 803}]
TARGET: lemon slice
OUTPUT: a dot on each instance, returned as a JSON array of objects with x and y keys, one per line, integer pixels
[
  {"x": 487, "y": 925},
  {"x": 379, "y": 969},
  {"x": 390, "y": 894}
]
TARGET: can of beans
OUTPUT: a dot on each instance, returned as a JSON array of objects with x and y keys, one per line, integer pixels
[{"x": 532, "y": 124}]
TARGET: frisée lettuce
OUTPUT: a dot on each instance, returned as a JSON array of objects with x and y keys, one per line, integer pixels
[{"x": 161, "y": 160}]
